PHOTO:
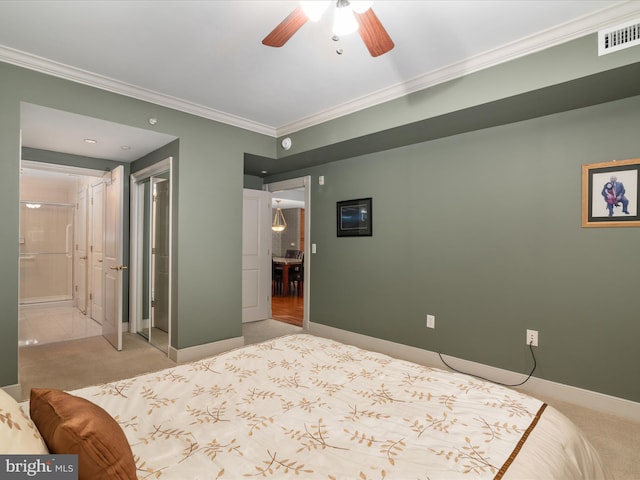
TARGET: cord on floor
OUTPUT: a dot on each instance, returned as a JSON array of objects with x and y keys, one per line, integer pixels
[{"x": 535, "y": 364}]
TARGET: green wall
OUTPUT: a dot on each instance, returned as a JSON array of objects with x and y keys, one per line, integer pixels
[
  {"x": 483, "y": 231},
  {"x": 9, "y": 198},
  {"x": 565, "y": 77},
  {"x": 252, "y": 182},
  {"x": 210, "y": 210},
  {"x": 479, "y": 224}
]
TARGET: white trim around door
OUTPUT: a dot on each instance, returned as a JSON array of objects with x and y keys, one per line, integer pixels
[{"x": 295, "y": 183}]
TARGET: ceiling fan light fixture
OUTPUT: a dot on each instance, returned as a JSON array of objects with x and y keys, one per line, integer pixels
[
  {"x": 344, "y": 21},
  {"x": 348, "y": 17},
  {"x": 314, "y": 9}
]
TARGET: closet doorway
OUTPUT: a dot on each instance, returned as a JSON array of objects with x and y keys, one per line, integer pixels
[{"x": 151, "y": 200}]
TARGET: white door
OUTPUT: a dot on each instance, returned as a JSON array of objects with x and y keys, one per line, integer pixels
[
  {"x": 256, "y": 255},
  {"x": 81, "y": 250},
  {"x": 97, "y": 252},
  {"x": 113, "y": 268}
]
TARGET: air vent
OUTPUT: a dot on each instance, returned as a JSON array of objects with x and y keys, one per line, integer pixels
[{"x": 619, "y": 37}]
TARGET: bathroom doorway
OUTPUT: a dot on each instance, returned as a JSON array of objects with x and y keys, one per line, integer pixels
[{"x": 55, "y": 231}]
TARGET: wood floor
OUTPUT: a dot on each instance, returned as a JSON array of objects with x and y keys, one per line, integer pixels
[{"x": 288, "y": 309}]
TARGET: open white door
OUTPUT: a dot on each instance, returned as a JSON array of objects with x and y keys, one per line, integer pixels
[
  {"x": 113, "y": 267},
  {"x": 97, "y": 252},
  {"x": 256, "y": 255},
  {"x": 81, "y": 250}
]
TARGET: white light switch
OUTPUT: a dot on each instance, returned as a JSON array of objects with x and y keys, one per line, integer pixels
[
  {"x": 321, "y": 180},
  {"x": 431, "y": 321},
  {"x": 313, "y": 248}
]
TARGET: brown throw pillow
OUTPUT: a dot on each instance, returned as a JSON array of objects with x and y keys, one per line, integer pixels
[{"x": 73, "y": 425}]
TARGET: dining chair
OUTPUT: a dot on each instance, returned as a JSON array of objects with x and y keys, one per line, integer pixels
[
  {"x": 296, "y": 277},
  {"x": 277, "y": 286}
]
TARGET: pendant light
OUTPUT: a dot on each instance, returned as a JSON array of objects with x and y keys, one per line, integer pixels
[{"x": 279, "y": 223}]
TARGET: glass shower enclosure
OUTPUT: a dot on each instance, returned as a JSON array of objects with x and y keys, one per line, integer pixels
[{"x": 46, "y": 252}]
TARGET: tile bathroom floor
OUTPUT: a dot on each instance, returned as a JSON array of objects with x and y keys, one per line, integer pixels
[{"x": 51, "y": 323}]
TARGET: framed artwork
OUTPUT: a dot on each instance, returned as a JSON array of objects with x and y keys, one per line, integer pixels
[
  {"x": 610, "y": 194},
  {"x": 353, "y": 218}
]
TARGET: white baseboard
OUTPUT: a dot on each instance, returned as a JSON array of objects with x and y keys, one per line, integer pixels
[
  {"x": 197, "y": 352},
  {"x": 534, "y": 386}
]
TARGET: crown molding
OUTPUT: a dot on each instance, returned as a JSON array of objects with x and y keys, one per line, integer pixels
[
  {"x": 77, "y": 75},
  {"x": 588, "y": 24},
  {"x": 566, "y": 32}
]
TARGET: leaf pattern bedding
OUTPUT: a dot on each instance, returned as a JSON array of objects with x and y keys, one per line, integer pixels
[{"x": 307, "y": 407}]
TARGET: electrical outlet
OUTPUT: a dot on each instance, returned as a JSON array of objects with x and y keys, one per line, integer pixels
[
  {"x": 532, "y": 338},
  {"x": 431, "y": 321}
]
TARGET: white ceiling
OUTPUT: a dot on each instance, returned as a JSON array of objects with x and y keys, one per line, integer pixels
[
  {"x": 288, "y": 198},
  {"x": 48, "y": 129},
  {"x": 206, "y": 57}
]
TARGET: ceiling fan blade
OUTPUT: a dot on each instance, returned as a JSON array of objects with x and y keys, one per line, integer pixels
[
  {"x": 285, "y": 30},
  {"x": 373, "y": 34}
]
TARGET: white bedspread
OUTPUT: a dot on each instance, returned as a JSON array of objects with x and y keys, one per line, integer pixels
[{"x": 307, "y": 407}]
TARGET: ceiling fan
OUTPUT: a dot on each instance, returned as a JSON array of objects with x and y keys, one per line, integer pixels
[{"x": 349, "y": 16}]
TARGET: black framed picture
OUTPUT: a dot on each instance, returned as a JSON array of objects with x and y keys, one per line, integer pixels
[
  {"x": 353, "y": 218},
  {"x": 610, "y": 194}
]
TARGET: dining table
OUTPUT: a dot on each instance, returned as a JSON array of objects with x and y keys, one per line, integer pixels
[{"x": 286, "y": 264}]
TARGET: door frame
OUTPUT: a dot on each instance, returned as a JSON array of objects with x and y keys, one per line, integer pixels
[
  {"x": 291, "y": 184},
  {"x": 135, "y": 246}
]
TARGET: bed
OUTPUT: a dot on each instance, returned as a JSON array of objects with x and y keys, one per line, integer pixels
[{"x": 302, "y": 406}]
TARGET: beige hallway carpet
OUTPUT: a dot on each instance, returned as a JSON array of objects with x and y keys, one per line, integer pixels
[
  {"x": 88, "y": 361},
  {"x": 91, "y": 361}
]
